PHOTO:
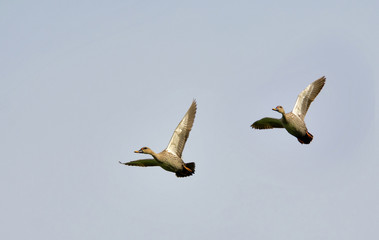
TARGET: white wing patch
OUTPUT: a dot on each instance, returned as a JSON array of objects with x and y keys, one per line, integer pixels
[{"x": 175, "y": 139}]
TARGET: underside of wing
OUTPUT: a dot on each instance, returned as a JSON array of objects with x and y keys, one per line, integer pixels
[
  {"x": 142, "y": 163},
  {"x": 307, "y": 96},
  {"x": 181, "y": 133},
  {"x": 267, "y": 123}
]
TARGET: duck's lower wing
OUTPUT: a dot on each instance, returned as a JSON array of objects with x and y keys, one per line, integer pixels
[
  {"x": 142, "y": 163},
  {"x": 267, "y": 123}
]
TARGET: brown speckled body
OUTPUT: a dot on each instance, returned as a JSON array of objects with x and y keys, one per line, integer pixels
[
  {"x": 294, "y": 125},
  {"x": 169, "y": 161}
]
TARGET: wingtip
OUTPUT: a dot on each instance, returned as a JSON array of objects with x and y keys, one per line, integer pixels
[
  {"x": 194, "y": 101},
  {"x": 321, "y": 81}
]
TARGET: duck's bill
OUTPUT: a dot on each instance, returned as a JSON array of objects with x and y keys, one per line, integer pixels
[
  {"x": 138, "y": 151},
  {"x": 275, "y": 109}
]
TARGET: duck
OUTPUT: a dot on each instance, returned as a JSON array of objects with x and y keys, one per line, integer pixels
[
  {"x": 170, "y": 159},
  {"x": 293, "y": 121}
]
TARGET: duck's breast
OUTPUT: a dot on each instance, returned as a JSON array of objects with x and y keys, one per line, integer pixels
[
  {"x": 170, "y": 162},
  {"x": 294, "y": 125}
]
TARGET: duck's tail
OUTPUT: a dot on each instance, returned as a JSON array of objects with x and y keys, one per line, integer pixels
[
  {"x": 188, "y": 170},
  {"x": 307, "y": 138}
]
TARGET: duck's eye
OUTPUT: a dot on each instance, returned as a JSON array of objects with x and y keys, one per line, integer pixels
[{"x": 144, "y": 148}]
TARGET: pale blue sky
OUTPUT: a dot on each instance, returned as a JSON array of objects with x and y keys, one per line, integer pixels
[{"x": 85, "y": 83}]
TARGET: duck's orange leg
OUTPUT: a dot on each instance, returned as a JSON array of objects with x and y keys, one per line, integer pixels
[{"x": 188, "y": 169}]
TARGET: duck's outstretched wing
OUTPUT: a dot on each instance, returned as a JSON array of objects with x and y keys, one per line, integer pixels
[
  {"x": 307, "y": 96},
  {"x": 142, "y": 163},
  {"x": 267, "y": 123},
  {"x": 181, "y": 133}
]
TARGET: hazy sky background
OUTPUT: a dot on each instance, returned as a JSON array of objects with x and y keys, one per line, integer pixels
[{"x": 85, "y": 83}]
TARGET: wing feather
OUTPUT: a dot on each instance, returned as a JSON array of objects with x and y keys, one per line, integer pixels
[
  {"x": 181, "y": 133},
  {"x": 267, "y": 123},
  {"x": 142, "y": 163},
  {"x": 306, "y": 97}
]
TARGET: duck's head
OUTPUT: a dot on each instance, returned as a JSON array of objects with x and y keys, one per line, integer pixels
[
  {"x": 144, "y": 150},
  {"x": 279, "y": 109}
]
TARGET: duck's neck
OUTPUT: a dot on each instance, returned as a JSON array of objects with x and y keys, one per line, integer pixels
[
  {"x": 152, "y": 153},
  {"x": 284, "y": 116}
]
